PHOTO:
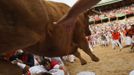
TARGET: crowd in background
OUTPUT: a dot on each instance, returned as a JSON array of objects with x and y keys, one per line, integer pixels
[
  {"x": 102, "y": 34},
  {"x": 113, "y": 13}
]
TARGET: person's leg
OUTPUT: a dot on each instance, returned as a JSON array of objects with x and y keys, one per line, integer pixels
[
  {"x": 128, "y": 42},
  {"x": 90, "y": 47},
  {"x": 113, "y": 44},
  {"x": 119, "y": 44},
  {"x": 132, "y": 47},
  {"x": 105, "y": 43},
  {"x": 24, "y": 67},
  {"x": 126, "y": 46}
]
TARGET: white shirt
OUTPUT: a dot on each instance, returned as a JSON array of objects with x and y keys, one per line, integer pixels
[{"x": 37, "y": 69}]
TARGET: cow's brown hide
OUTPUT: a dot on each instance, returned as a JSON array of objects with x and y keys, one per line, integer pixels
[
  {"x": 9, "y": 69},
  {"x": 29, "y": 24}
]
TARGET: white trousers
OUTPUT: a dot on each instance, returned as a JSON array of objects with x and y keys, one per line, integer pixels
[{"x": 115, "y": 43}]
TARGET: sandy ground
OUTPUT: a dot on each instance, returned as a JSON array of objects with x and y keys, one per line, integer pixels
[{"x": 112, "y": 62}]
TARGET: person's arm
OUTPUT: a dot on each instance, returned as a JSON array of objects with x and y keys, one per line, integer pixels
[{"x": 23, "y": 66}]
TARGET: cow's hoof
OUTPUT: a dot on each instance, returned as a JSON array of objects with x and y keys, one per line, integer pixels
[
  {"x": 83, "y": 63},
  {"x": 95, "y": 59}
]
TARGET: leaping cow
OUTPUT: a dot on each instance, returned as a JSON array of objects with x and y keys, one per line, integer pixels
[{"x": 28, "y": 25}]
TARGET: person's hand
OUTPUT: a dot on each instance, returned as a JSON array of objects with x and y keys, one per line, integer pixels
[
  {"x": 14, "y": 62},
  {"x": 18, "y": 60}
]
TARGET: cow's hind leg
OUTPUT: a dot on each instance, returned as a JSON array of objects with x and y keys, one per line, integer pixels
[
  {"x": 80, "y": 40},
  {"x": 83, "y": 62},
  {"x": 83, "y": 44}
]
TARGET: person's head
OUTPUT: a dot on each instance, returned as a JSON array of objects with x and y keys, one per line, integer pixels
[
  {"x": 46, "y": 63},
  {"x": 19, "y": 52},
  {"x": 115, "y": 30}
]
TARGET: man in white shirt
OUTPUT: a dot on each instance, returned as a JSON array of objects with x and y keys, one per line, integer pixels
[{"x": 46, "y": 67}]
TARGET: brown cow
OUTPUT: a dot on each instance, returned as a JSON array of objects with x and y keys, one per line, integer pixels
[{"x": 29, "y": 24}]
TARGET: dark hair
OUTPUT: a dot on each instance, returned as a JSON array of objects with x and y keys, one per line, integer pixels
[
  {"x": 45, "y": 61},
  {"x": 46, "y": 73}
]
